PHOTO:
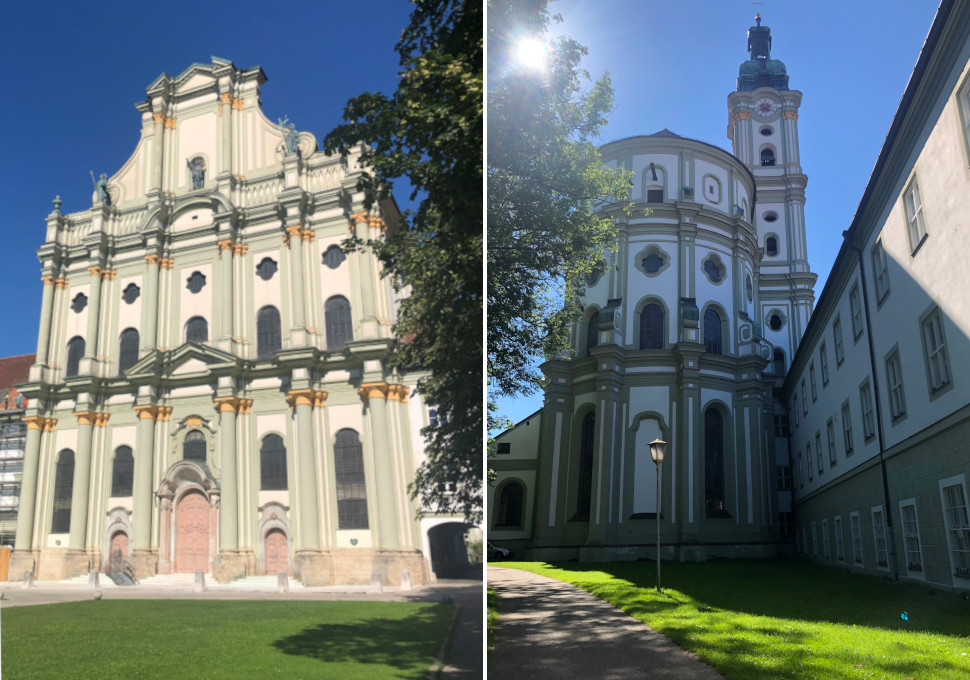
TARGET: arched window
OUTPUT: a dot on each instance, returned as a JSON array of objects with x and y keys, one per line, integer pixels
[
  {"x": 272, "y": 464},
  {"x": 269, "y": 338},
  {"x": 779, "y": 361},
  {"x": 510, "y": 505},
  {"x": 771, "y": 246},
  {"x": 767, "y": 156},
  {"x": 348, "y": 457},
  {"x": 193, "y": 448},
  {"x": 121, "y": 471},
  {"x": 584, "y": 489},
  {"x": 197, "y": 330},
  {"x": 712, "y": 270},
  {"x": 592, "y": 332},
  {"x": 712, "y": 331},
  {"x": 652, "y": 327},
  {"x": 127, "y": 349},
  {"x": 63, "y": 487},
  {"x": 714, "y": 464},
  {"x": 75, "y": 350},
  {"x": 340, "y": 329}
]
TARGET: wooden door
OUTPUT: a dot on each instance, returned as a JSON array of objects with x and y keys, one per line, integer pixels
[
  {"x": 192, "y": 533},
  {"x": 118, "y": 553},
  {"x": 275, "y": 552}
]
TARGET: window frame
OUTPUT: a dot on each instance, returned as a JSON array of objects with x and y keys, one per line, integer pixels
[
  {"x": 273, "y": 473},
  {"x": 932, "y": 320},
  {"x": 839, "y": 539},
  {"x": 855, "y": 312},
  {"x": 823, "y": 364},
  {"x": 915, "y": 216},
  {"x": 847, "y": 428},
  {"x": 880, "y": 272},
  {"x": 826, "y": 545},
  {"x": 895, "y": 389},
  {"x": 350, "y": 484},
  {"x": 954, "y": 542},
  {"x": 868, "y": 412},
  {"x": 855, "y": 530},
  {"x": 877, "y": 528},
  {"x": 830, "y": 436},
  {"x": 837, "y": 337},
  {"x": 913, "y": 569}
]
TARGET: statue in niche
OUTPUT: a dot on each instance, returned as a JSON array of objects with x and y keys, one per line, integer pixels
[
  {"x": 291, "y": 138},
  {"x": 197, "y": 167},
  {"x": 101, "y": 186}
]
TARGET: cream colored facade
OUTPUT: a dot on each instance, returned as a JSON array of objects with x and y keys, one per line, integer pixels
[{"x": 198, "y": 317}]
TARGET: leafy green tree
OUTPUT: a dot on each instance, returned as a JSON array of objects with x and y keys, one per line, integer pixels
[
  {"x": 545, "y": 179},
  {"x": 430, "y": 132}
]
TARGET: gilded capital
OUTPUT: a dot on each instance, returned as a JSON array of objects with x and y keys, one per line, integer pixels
[
  {"x": 376, "y": 222},
  {"x": 50, "y": 424},
  {"x": 153, "y": 260},
  {"x": 225, "y": 98},
  {"x": 238, "y": 103},
  {"x": 226, "y": 244},
  {"x": 48, "y": 280},
  {"x": 789, "y": 115},
  {"x": 101, "y": 419},
  {"x": 34, "y": 422},
  {"x": 109, "y": 274},
  {"x": 374, "y": 390},
  {"x": 245, "y": 406},
  {"x": 85, "y": 417},
  {"x": 398, "y": 393},
  {"x": 95, "y": 271},
  {"x": 307, "y": 234},
  {"x": 240, "y": 249},
  {"x": 319, "y": 399},
  {"x": 300, "y": 398},
  {"x": 170, "y": 123},
  {"x": 61, "y": 283},
  {"x": 167, "y": 263},
  {"x": 226, "y": 404},
  {"x": 164, "y": 412},
  {"x": 146, "y": 411},
  {"x": 158, "y": 117}
]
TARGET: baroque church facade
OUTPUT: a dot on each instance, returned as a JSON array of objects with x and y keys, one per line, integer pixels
[
  {"x": 211, "y": 389},
  {"x": 685, "y": 337}
]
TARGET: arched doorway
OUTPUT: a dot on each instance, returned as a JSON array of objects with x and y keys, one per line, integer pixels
[
  {"x": 192, "y": 533},
  {"x": 449, "y": 551},
  {"x": 276, "y": 553},
  {"x": 117, "y": 552}
]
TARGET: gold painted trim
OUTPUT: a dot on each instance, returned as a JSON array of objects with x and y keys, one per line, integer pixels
[
  {"x": 158, "y": 117},
  {"x": 240, "y": 249},
  {"x": 48, "y": 280},
  {"x": 61, "y": 283},
  {"x": 378, "y": 390},
  {"x": 193, "y": 421},
  {"x": 34, "y": 422},
  {"x": 238, "y": 103},
  {"x": 376, "y": 222},
  {"x": 226, "y": 404},
  {"x": 109, "y": 274},
  {"x": 50, "y": 424},
  {"x": 398, "y": 393},
  {"x": 245, "y": 406},
  {"x": 101, "y": 419},
  {"x": 85, "y": 417},
  {"x": 789, "y": 115},
  {"x": 170, "y": 123},
  {"x": 319, "y": 399},
  {"x": 146, "y": 411},
  {"x": 164, "y": 412},
  {"x": 96, "y": 271},
  {"x": 152, "y": 260},
  {"x": 167, "y": 263},
  {"x": 300, "y": 398}
]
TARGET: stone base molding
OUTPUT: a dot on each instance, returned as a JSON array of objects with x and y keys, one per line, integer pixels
[
  {"x": 230, "y": 565},
  {"x": 56, "y": 564},
  {"x": 313, "y": 567},
  {"x": 22, "y": 561},
  {"x": 353, "y": 566},
  {"x": 144, "y": 563}
]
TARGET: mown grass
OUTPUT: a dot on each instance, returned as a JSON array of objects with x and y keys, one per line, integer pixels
[
  {"x": 491, "y": 617},
  {"x": 209, "y": 639},
  {"x": 779, "y": 619}
]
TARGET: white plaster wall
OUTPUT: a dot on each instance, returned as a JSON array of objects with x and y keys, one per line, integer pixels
[
  {"x": 129, "y": 316},
  {"x": 701, "y": 194},
  {"x": 332, "y": 281},
  {"x": 645, "y": 470},
  {"x": 275, "y": 422},
  {"x": 135, "y": 174},
  {"x": 195, "y": 304},
  {"x": 77, "y": 324},
  {"x": 670, "y": 163},
  {"x": 192, "y": 219},
  {"x": 197, "y": 136},
  {"x": 639, "y": 286},
  {"x": 708, "y": 395},
  {"x": 267, "y": 292},
  {"x": 523, "y": 440},
  {"x": 721, "y": 293},
  {"x": 124, "y": 435}
]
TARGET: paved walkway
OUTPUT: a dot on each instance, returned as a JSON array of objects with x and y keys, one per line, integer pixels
[{"x": 549, "y": 630}]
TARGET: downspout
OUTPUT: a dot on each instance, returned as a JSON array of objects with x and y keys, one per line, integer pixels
[{"x": 891, "y": 542}]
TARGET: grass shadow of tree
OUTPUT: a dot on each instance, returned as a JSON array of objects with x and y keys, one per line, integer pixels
[{"x": 407, "y": 644}]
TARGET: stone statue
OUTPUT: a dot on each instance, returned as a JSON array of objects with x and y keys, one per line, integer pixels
[
  {"x": 101, "y": 186},
  {"x": 291, "y": 138},
  {"x": 197, "y": 166}
]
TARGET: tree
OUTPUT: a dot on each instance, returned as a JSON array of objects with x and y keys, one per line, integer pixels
[
  {"x": 545, "y": 179},
  {"x": 430, "y": 132}
]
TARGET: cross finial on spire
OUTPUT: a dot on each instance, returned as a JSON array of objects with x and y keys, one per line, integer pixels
[{"x": 757, "y": 5}]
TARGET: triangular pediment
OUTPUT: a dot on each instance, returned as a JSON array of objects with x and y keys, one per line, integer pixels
[{"x": 188, "y": 359}]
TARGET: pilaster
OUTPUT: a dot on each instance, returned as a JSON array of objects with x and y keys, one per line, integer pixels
[{"x": 374, "y": 395}]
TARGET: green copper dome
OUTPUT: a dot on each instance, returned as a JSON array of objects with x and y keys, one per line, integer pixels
[{"x": 760, "y": 70}]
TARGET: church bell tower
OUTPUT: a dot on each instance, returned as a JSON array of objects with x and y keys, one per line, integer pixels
[{"x": 763, "y": 128}]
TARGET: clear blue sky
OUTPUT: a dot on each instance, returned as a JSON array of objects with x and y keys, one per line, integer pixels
[
  {"x": 674, "y": 63},
  {"x": 75, "y": 70}
]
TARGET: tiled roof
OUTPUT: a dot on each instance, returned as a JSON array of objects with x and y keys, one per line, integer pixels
[{"x": 13, "y": 370}]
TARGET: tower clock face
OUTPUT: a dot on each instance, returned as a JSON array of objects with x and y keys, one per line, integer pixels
[{"x": 765, "y": 107}]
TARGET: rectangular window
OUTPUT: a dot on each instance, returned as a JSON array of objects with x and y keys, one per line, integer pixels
[
  {"x": 915, "y": 220},
  {"x": 655, "y": 195},
  {"x": 879, "y": 535},
  {"x": 787, "y": 525},
  {"x": 823, "y": 363},
  {"x": 837, "y": 338},
  {"x": 804, "y": 399},
  {"x": 818, "y": 450},
  {"x": 856, "y": 537},
  {"x": 811, "y": 373},
  {"x": 839, "y": 546},
  {"x": 957, "y": 523},
  {"x": 855, "y": 305},
  {"x": 814, "y": 541},
  {"x": 894, "y": 379},
  {"x": 880, "y": 271},
  {"x": 781, "y": 425},
  {"x": 801, "y": 479},
  {"x": 795, "y": 408},
  {"x": 830, "y": 432},
  {"x": 914, "y": 556},
  {"x": 934, "y": 349},
  {"x": 808, "y": 461},
  {"x": 868, "y": 421},
  {"x": 503, "y": 447},
  {"x": 847, "y": 427},
  {"x": 784, "y": 478},
  {"x": 825, "y": 540}
]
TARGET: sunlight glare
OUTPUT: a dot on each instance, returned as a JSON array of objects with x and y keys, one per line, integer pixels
[{"x": 531, "y": 53}]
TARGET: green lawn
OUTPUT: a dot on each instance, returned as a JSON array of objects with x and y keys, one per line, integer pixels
[
  {"x": 224, "y": 639},
  {"x": 772, "y": 619},
  {"x": 492, "y": 622}
]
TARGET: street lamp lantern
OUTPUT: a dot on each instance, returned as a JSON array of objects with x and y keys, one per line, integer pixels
[{"x": 658, "y": 447}]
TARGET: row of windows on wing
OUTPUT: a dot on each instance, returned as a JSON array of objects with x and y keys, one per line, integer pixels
[
  {"x": 512, "y": 494},
  {"x": 652, "y": 329},
  {"x": 269, "y": 336},
  {"x": 348, "y": 472},
  {"x": 265, "y": 270}
]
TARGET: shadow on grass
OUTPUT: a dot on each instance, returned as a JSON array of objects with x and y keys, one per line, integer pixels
[{"x": 407, "y": 644}]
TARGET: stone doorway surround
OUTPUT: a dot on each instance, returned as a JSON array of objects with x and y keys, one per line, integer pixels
[{"x": 181, "y": 480}]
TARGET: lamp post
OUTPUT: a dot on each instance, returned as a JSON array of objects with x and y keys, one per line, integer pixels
[{"x": 657, "y": 449}]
